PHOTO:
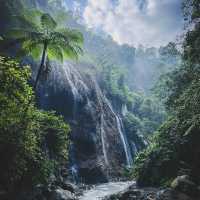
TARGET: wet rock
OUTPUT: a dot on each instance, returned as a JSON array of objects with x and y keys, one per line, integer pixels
[
  {"x": 96, "y": 148},
  {"x": 171, "y": 194},
  {"x": 185, "y": 185},
  {"x": 3, "y": 194},
  {"x": 69, "y": 186},
  {"x": 135, "y": 194},
  {"x": 60, "y": 194}
]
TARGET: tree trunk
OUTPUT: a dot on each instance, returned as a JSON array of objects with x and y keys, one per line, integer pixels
[
  {"x": 37, "y": 77},
  {"x": 41, "y": 67}
]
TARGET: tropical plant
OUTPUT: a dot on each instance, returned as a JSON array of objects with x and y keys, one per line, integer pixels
[
  {"x": 41, "y": 37},
  {"x": 29, "y": 155}
]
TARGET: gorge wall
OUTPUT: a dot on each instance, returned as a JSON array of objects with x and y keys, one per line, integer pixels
[{"x": 99, "y": 148}]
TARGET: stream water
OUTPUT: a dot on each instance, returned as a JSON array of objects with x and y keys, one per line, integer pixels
[{"x": 101, "y": 191}]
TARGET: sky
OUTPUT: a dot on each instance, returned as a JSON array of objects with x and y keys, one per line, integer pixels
[{"x": 133, "y": 22}]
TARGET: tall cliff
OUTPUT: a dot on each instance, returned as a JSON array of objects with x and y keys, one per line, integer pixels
[{"x": 99, "y": 147}]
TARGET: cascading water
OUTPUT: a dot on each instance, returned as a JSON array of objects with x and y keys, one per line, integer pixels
[
  {"x": 122, "y": 135},
  {"x": 124, "y": 141},
  {"x": 103, "y": 140},
  {"x": 74, "y": 172},
  {"x": 134, "y": 147},
  {"x": 102, "y": 122},
  {"x": 97, "y": 130},
  {"x": 74, "y": 90},
  {"x": 75, "y": 82},
  {"x": 124, "y": 110}
]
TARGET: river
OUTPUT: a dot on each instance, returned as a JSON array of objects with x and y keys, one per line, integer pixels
[{"x": 106, "y": 189}]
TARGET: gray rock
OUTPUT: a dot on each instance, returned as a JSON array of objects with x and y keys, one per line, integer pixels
[
  {"x": 185, "y": 185},
  {"x": 69, "y": 186},
  {"x": 60, "y": 194},
  {"x": 171, "y": 194}
]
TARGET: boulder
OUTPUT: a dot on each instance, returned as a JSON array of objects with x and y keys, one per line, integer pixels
[
  {"x": 171, "y": 194},
  {"x": 3, "y": 194},
  {"x": 132, "y": 194},
  {"x": 185, "y": 185},
  {"x": 65, "y": 185},
  {"x": 60, "y": 194}
]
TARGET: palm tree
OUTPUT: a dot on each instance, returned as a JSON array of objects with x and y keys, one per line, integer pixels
[{"x": 42, "y": 38}]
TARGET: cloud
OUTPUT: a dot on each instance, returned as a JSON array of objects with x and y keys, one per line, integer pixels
[{"x": 134, "y": 22}]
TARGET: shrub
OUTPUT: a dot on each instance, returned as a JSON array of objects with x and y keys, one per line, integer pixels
[{"x": 33, "y": 143}]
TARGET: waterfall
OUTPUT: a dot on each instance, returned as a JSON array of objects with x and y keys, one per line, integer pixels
[
  {"x": 76, "y": 84},
  {"x": 124, "y": 141},
  {"x": 103, "y": 140},
  {"x": 124, "y": 110},
  {"x": 71, "y": 83},
  {"x": 74, "y": 173},
  {"x": 102, "y": 123},
  {"x": 135, "y": 150},
  {"x": 74, "y": 90},
  {"x": 122, "y": 135}
]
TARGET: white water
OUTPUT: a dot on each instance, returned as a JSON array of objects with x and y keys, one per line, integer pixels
[
  {"x": 70, "y": 82},
  {"x": 76, "y": 84},
  {"x": 135, "y": 150},
  {"x": 124, "y": 110},
  {"x": 101, "y": 191},
  {"x": 122, "y": 135},
  {"x": 103, "y": 140},
  {"x": 124, "y": 141}
]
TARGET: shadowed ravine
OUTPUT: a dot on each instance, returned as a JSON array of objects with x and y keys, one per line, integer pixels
[{"x": 104, "y": 190}]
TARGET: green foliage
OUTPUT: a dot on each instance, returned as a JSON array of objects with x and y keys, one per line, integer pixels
[
  {"x": 175, "y": 148},
  {"x": 35, "y": 29},
  {"x": 158, "y": 163},
  {"x": 33, "y": 144},
  {"x": 113, "y": 82},
  {"x": 148, "y": 111},
  {"x": 132, "y": 123}
]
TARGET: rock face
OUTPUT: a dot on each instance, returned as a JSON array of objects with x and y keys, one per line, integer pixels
[{"x": 99, "y": 146}]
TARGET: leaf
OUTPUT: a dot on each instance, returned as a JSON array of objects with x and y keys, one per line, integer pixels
[
  {"x": 70, "y": 52},
  {"x": 48, "y": 22},
  {"x": 36, "y": 51},
  {"x": 55, "y": 53},
  {"x": 70, "y": 42},
  {"x": 72, "y": 35}
]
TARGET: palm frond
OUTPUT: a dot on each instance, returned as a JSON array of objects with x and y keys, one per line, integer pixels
[
  {"x": 32, "y": 48},
  {"x": 47, "y": 22},
  {"x": 54, "y": 52},
  {"x": 70, "y": 50},
  {"x": 72, "y": 35},
  {"x": 70, "y": 53},
  {"x": 70, "y": 43}
]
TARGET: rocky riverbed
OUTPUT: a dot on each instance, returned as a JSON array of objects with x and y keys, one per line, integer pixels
[
  {"x": 181, "y": 189},
  {"x": 103, "y": 190}
]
